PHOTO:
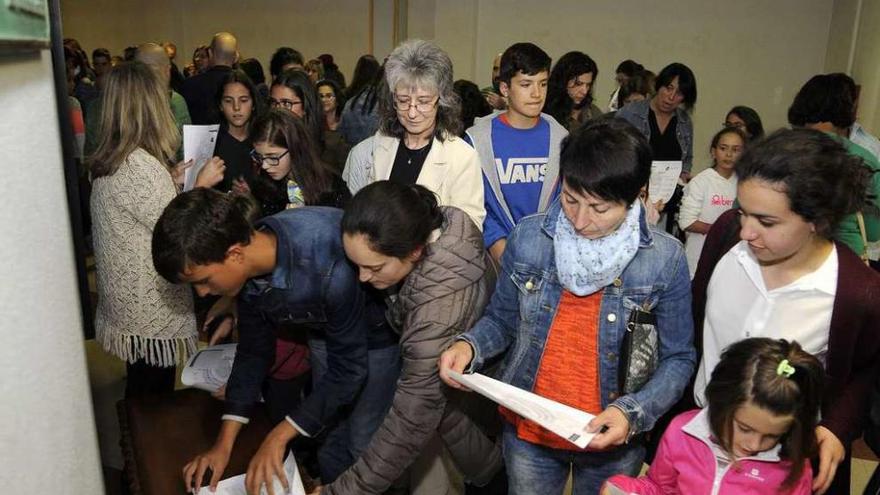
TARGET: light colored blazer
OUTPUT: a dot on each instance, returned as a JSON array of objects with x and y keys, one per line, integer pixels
[{"x": 451, "y": 170}]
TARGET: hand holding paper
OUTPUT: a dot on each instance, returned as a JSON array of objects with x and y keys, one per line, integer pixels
[
  {"x": 236, "y": 484},
  {"x": 565, "y": 421},
  {"x": 664, "y": 177},
  {"x": 198, "y": 147}
]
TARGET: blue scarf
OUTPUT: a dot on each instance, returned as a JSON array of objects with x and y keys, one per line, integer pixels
[{"x": 587, "y": 265}]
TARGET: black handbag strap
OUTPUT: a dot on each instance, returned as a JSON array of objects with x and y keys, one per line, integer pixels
[{"x": 639, "y": 316}]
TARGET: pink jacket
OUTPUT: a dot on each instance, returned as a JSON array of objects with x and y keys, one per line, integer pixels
[{"x": 689, "y": 462}]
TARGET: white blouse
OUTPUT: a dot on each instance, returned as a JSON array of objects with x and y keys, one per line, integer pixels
[{"x": 739, "y": 306}]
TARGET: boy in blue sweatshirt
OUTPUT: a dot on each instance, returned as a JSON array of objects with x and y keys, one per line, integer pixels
[{"x": 518, "y": 148}]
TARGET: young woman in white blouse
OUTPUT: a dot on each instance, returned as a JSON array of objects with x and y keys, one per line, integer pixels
[{"x": 772, "y": 269}]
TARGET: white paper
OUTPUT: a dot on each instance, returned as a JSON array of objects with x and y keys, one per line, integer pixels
[
  {"x": 567, "y": 422},
  {"x": 612, "y": 489},
  {"x": 236, "y": 486},
  {"x": 664, "y": 177},
  {"x": 198, "y": 146},
  {"x": 209, "y": 369}
]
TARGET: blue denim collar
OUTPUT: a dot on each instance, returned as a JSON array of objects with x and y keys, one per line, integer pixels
[
  {"x": 646, "y": 237},
  {"x": 278, "y": 277}
]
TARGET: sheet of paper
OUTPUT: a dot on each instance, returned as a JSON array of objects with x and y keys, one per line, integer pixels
[
  {"x": 235, "y": 485},
  {"x": 198, "y": 146},
  {"x": 209, "y": 369},
  {"x": 565, "y": 421},
  {"x": 664, "y": 177},
  {"x": 612, "y": 489}
]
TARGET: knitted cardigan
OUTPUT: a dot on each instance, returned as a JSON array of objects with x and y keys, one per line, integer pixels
[{"x": 140, "y": 315}]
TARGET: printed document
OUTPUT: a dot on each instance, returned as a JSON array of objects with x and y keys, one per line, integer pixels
[
  {"x": 198, "y": 146},
  {"x": 209, "y": 369},
  {"x": 664, "y": 177},
  {"x": 236, "y": 486},
  {"x": 567, "y": 422}
]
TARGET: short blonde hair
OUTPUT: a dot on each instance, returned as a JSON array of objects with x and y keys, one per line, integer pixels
[{"x": 135, "y": 113}]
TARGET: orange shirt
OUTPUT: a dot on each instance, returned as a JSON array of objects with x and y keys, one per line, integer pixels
[{"x": 569, "y": 369}]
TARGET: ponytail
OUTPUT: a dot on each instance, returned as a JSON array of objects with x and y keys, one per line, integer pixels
[
  {"x": 397, "y": 219},
  {"x": 774, "y": 375}
]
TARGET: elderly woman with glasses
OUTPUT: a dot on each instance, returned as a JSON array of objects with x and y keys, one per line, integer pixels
[{"x": 417, "y": 141}]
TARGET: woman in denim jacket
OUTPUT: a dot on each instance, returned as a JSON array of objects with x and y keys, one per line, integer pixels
[{"x": 571, "y": 279}]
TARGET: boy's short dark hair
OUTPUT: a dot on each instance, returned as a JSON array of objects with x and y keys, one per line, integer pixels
[
  {"x": 523, "y": 57},
  {"x": 687, "y": 82},
  {"x": 197, "y": 228},
  {"x": 607, "y": 158},
  {"x": 283, "y": 56},
  {"x": 825, "y": 98}
]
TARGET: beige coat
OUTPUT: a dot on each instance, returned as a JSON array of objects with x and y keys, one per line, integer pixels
[
  {"x": 140, "y": 315},
  {"x": 451, "y": 170},
  {"x": 442, "y": 297}
]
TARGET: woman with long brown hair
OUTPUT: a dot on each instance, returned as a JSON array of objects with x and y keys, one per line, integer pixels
[{"x": 141, "y": 318}]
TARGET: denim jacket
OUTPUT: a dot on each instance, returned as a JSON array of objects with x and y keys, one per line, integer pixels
[
  {"x": 313, "y": 285},
  {"x": 527, "y": 295},
  {"x": 636, "y": 113}
]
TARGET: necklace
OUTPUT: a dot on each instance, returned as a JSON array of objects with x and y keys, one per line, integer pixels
[{"x": 413, "y": 154}]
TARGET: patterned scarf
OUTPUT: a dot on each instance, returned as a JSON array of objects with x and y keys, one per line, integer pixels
[{"x": 587, "y": 265}]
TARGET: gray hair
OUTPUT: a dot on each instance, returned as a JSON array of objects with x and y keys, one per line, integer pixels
[{"x": 424, "y": 65}]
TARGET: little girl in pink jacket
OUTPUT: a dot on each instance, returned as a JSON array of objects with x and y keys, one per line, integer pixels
[{"x": 755, "y": 438}]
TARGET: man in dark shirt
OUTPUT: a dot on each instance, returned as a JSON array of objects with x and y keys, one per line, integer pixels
[
  {"x": 176, "y": 76},
  {"x": 200, "y": 91}
]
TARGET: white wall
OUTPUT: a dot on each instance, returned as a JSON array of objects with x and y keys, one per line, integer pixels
[
  {"x": 866, "y": 65},
  {"x": 47, "y": 432},
  {"x": 313, "y": 27},
  {"x": 750, "y": 52}
]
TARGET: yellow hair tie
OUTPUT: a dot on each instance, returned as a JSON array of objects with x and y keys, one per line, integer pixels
[{"x": 785, "y": 369}]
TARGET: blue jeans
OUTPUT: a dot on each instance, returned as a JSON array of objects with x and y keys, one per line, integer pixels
[
  {"x": 343, "y": 442},
  {"x": 533, "y": 469}
]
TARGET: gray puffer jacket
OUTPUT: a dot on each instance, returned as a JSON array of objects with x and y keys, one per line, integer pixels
[{"x": 442, "y": 297}]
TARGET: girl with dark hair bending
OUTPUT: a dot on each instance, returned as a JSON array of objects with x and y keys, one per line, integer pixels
[
  {"x": 763, "y": 403},
  {"x": 290, "y": 173},
  {"x": 431, "y": 258},
  {"x": 570, "y": 90},
  {"x": 771, "y": 269}
]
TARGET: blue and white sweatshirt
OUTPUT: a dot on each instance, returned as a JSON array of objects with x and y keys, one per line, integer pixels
[{"x": 520, "y": 170}]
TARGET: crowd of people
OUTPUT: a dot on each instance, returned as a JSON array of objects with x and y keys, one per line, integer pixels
[{"x": 362, "y": 242}]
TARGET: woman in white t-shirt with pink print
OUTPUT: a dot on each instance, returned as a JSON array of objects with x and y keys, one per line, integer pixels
[{"x": 710, "y": 193}]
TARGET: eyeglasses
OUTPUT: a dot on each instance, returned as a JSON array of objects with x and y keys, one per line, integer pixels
[
  {"x": 270, "y": 161},
  {"x": 286, "y": 104},
  {"x": 404, "y": 105}
]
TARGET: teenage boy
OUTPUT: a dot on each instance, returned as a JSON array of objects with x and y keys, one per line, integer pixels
[
  {"x": 288, "y": 269},
  {"x": 518, "y": 148}
]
